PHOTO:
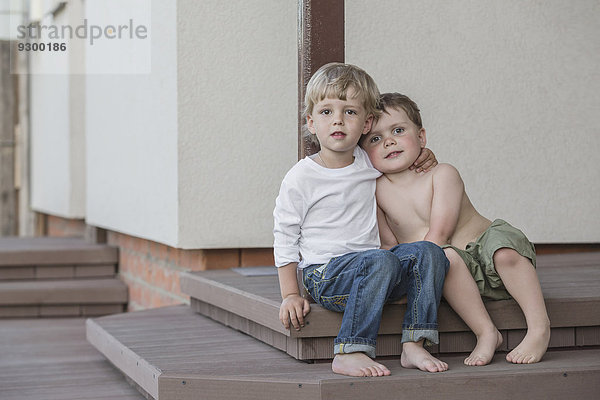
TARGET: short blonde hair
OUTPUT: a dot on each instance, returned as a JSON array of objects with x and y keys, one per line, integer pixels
[{"x": 334, "y": 80}]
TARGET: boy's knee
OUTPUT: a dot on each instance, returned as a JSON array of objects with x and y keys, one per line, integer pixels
[
  {"x": 451, "y": 254},
  {"x": 385, "y": 258},
  {"x": 430, "y": 249},
  {"x": 427, "y": 252},
  {"x": 453, "y": 257},
  {"x": 506, "y": 257},
  {"x": 383, "y": 261},
  {"x": 418, "y": 250}
]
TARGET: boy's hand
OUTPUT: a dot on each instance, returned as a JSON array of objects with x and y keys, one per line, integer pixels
[
  {"x": 293, "y": 310},
  {"x": 425, "y": 161}
]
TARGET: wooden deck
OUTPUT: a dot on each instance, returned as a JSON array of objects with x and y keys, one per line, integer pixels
[
  {"x": 16, "y": 251},
  {"x": 59, "y": 277},
  {"x": 249, "y": 301},
  {"x": 174, "y": 353},
  {"x": 49, "y": 359}
]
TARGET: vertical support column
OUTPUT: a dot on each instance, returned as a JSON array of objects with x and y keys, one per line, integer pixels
[
  {"x": 320, "y": 41},
  {"x": 8, "y": 204}
]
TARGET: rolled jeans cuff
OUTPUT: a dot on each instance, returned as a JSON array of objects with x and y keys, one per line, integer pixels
[
  {"x": 346, "y": 348},
  {"x": 431, "y": 336}
]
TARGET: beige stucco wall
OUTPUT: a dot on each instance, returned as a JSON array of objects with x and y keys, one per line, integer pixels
[
  {"x": 237, "y": 108},
  {"x": 510, "y": 94}
]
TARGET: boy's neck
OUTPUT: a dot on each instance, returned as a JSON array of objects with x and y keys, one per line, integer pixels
[
  {"x": 334, "y": 160},
  {"x": 404, "y": 177}
]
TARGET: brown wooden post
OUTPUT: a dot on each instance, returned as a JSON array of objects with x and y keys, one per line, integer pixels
[
  {"x": 8, "y": 204},
  {"x": 320, "y": 41}
]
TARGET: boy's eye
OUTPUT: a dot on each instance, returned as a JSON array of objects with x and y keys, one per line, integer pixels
[
  {"x": 374, "y": 139},
  {"x": 325, "y": 112},
  {"x": 351, "y": 112},
  {"x": 398, "y": 131}
]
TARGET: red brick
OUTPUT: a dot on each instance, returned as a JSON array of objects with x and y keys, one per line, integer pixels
[
  {"x": 112, "y": 238},
  {"x": 221, "y": 258},
  {"x": 159, "y": 265},
  {"x": 173, "y": 256},
  {"x": 64, "y": 227},
  {"x": 257, "y": 257},
  {"x": 124, "y": 262},
  {"x": 176, "y": 284},
  {"x": 139, "y": 245},
  {"x": 158, "y": 250},
  {"x": 146, "y": 269},
  {"x": 191, "y": 259}
]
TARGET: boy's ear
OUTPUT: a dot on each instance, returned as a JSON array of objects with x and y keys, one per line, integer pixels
[
  {"x": 422, "y": 137},
  {"x": 310, "y": 124},
  {"x": 368, "y": 124}
]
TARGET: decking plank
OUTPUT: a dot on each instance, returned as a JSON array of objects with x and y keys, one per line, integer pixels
[
  {"x": 220, "y": 363},
  {"x": 50, "y": 250},
  {"x": 50, "y": 359},
  {"x": 587, "y": 336},
  {"x": 242, "y": 296},
  {"x": 250, "y": 303},
  {"x": 73, "y": 271},
  {"x": 63, "y": 292}
]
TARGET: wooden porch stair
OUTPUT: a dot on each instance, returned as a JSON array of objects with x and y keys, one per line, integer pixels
[
  {"x": 249, "y": 301},
  {"x": 176, "y": 353},
  {"x": 58, "y": 277},
  {"x": 173, "y": 353}
]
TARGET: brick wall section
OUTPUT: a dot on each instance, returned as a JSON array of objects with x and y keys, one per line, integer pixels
[
  {"x": 63, "y": 227},
  {"x": 151, "y": 270}
]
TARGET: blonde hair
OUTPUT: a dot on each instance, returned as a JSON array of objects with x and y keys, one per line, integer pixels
[{"x": 334, "y": 80}]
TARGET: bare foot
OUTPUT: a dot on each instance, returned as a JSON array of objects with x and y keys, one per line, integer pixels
[
  {"x": 415, "y": 356},
  {"x": 484, "y": 351},
  {"x": 357, "y": 364},
  {"x": 532, "y": 348}
]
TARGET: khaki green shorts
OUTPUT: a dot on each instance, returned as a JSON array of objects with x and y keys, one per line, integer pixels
[{"x": 479, "y": 256}]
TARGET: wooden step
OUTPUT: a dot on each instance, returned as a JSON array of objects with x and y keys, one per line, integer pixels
[
  {"x": 53, "y": 250},
  {"x": 50, "y": 359},
  {"x": 174, "y": 353},
  {"x": 59, "y": 271},
  {"x": 54, "y": 298},
  {"x": 249, "y": 301},
  {"x": 55, "y": 258}
]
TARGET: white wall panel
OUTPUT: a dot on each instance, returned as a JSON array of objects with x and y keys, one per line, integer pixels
[
  {"x": 57, "y": 137},
  {"x": 131, "y": 132}
]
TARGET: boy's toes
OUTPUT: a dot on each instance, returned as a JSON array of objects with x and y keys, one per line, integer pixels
[{"x": 443, "y": 366}]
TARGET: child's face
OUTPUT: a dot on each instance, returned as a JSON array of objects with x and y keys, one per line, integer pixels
[
  {"x": 339, "y": 124},
  {"x": 394, "y": 142}
]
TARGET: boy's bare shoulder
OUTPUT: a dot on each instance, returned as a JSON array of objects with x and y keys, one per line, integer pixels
[{"x": 445, "y": 171}]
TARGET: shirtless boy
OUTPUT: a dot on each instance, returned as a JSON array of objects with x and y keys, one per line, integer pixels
[{"x": 489, "y": 259}]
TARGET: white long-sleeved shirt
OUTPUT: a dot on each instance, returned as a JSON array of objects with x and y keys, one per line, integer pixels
[{"x": 322, "y": 213}]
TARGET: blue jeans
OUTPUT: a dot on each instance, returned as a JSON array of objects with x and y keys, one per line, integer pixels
[{"x": 359, "y": 284}]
